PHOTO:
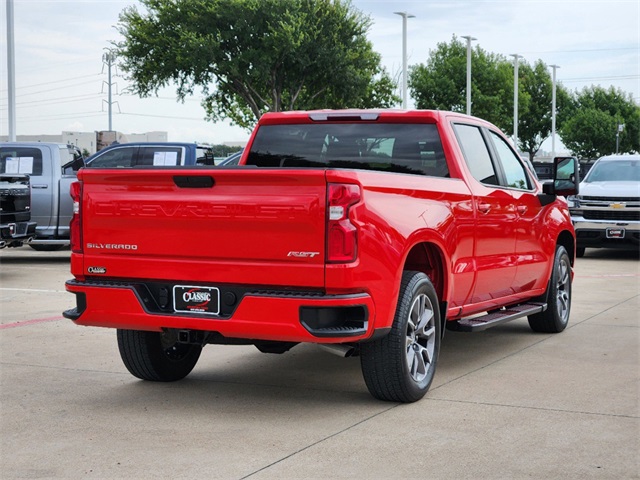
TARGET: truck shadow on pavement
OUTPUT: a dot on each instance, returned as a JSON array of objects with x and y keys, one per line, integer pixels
[
  {"x": 610, "y": 254},
  {"x": 307, "y": 374},
  {"x": 32, "y": 257}
]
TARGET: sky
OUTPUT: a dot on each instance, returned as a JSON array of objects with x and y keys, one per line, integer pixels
[{"x": 61, "y": 81}]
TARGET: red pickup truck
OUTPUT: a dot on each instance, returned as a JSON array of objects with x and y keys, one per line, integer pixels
[{"x": 369, "y": 232}]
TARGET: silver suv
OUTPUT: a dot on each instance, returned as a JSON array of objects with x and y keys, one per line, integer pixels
[{"x": 606, "y": 213}]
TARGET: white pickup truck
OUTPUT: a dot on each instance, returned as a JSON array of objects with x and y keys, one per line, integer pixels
[{"x": 606, "y": 213}]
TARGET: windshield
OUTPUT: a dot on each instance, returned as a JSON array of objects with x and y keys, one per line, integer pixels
[
  {"x": 402, "y": 148},
  {"x": 614, "y": 171}
]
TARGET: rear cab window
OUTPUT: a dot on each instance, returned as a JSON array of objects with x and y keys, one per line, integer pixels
[{"x": 388, "y": 147}]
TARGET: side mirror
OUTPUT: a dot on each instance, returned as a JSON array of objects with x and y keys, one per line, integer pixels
[{"x": 566, "y": 177}]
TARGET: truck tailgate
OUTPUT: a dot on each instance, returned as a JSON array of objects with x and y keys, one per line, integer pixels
[{"x": 227, "y": 225}]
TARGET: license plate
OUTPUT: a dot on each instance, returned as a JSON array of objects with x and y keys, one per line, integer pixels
[
  {"x": 615, "y": 232},
  {"x": 195, "y": 299}
]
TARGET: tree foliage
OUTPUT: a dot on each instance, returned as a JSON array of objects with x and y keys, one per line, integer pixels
[
  {"x": 593, "y": 116},
  {"x": 534, "y": 114},
  {"x": 253, "y": 56},
  {"x": 440, "y": 83}
]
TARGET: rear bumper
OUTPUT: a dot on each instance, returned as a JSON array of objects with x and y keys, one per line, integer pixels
[
  {"x": 260, "y": 315},
  {"x": 17, "y": 232}
]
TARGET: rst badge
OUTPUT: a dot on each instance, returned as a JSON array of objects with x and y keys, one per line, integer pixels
[
  {"x": 194, "y": 299},
  {"x": 303, "y": 254}
]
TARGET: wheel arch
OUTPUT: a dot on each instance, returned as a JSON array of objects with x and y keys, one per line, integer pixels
[
  {"x": 568, "y": 241},
  {"x": 428, "y": 258}
]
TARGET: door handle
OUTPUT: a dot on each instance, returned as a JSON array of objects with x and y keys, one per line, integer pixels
[
  {"x": 39, "y": 185},
  {"x": 522, "y": 209},
  {"x": 484, "y": 207}
]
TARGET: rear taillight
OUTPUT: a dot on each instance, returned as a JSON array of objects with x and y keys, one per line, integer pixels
[
  {"x": 342, "y": 235},
  {"x": 76, "y": 222}
]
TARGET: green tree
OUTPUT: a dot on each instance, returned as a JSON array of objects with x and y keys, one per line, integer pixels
[
  {"x": 592, "y": 119},
  {"x": 534, "y": 114},
  {"x": 441, "y": 82},
  {"x": 253, "y": 56}
]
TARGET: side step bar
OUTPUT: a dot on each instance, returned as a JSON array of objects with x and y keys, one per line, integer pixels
[{"x": 477, "y": 324}]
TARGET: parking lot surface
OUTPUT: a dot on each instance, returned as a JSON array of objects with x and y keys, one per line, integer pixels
[{"x": 506, "y": 403}]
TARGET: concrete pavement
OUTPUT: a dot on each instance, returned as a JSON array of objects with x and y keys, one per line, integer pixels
[{"x": 505, "y": 403}]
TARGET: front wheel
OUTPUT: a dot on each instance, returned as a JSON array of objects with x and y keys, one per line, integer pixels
[
  {"x": 400, "y": 366},
  {"x": 157, "y": 356},
  {"x": 555, "y": 318}
]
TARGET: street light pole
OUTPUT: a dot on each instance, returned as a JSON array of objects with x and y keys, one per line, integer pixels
[
  {"x": 109, "y": 58},
  {"x": 516, "y": 57},
  {"x": 11, "y": 73},
  {"x": 620, "y": 129},
  {"x": 469, "y": 39},
  {"x": 404, "y": 16},
  {"x": 553, "y": 112}
]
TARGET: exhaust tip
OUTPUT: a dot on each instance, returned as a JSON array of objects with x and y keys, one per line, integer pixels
[{"x": 339, "y": 349}]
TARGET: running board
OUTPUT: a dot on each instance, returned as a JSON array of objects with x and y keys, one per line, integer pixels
[{"x": 477, "y": 324}]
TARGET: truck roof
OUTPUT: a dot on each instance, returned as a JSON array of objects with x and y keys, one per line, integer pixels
[
  {"x": 621, "y": 157},
  {"x": 392, "y": 115}
]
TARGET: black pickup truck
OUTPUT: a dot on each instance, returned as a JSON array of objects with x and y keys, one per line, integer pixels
[{"x": 15, "y": 211}]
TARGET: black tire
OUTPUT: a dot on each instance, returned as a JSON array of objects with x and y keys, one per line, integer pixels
[
  {"x": 580, "y": 252},
  {"x": 556, "y": 317},
  {"x": 400, "y": 366},
  {"x": 156, "y": 356},
  {"x": 47, "y": 248}
]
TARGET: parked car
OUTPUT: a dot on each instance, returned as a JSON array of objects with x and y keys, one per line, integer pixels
[
  {"x": 156, "y": 154},
  {"x": 52, "y": 167},
  {"x": 544, "y": 170},
  {"x": 606, "y": 213},
  {"x": 232, "y": 159},
  {"x": 15, "y": 203},
  {"x": 366, "y": 231}
]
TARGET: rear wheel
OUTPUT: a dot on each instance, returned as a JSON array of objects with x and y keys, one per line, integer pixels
[
  {"x": 400, "y": 366},
  {"x": 157, "y": 356},
  {"x": 555, "y": 318}
]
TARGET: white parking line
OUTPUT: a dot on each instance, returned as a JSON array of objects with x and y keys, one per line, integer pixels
[{"x": 31, "y": 290}]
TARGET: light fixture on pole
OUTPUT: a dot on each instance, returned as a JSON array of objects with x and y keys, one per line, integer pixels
[
  {"x": 516, "y": 57},
  {"x": 404, "y": 16},
  {"x": 469, "y": 40},
  {"x": 553, "y": 111}
]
